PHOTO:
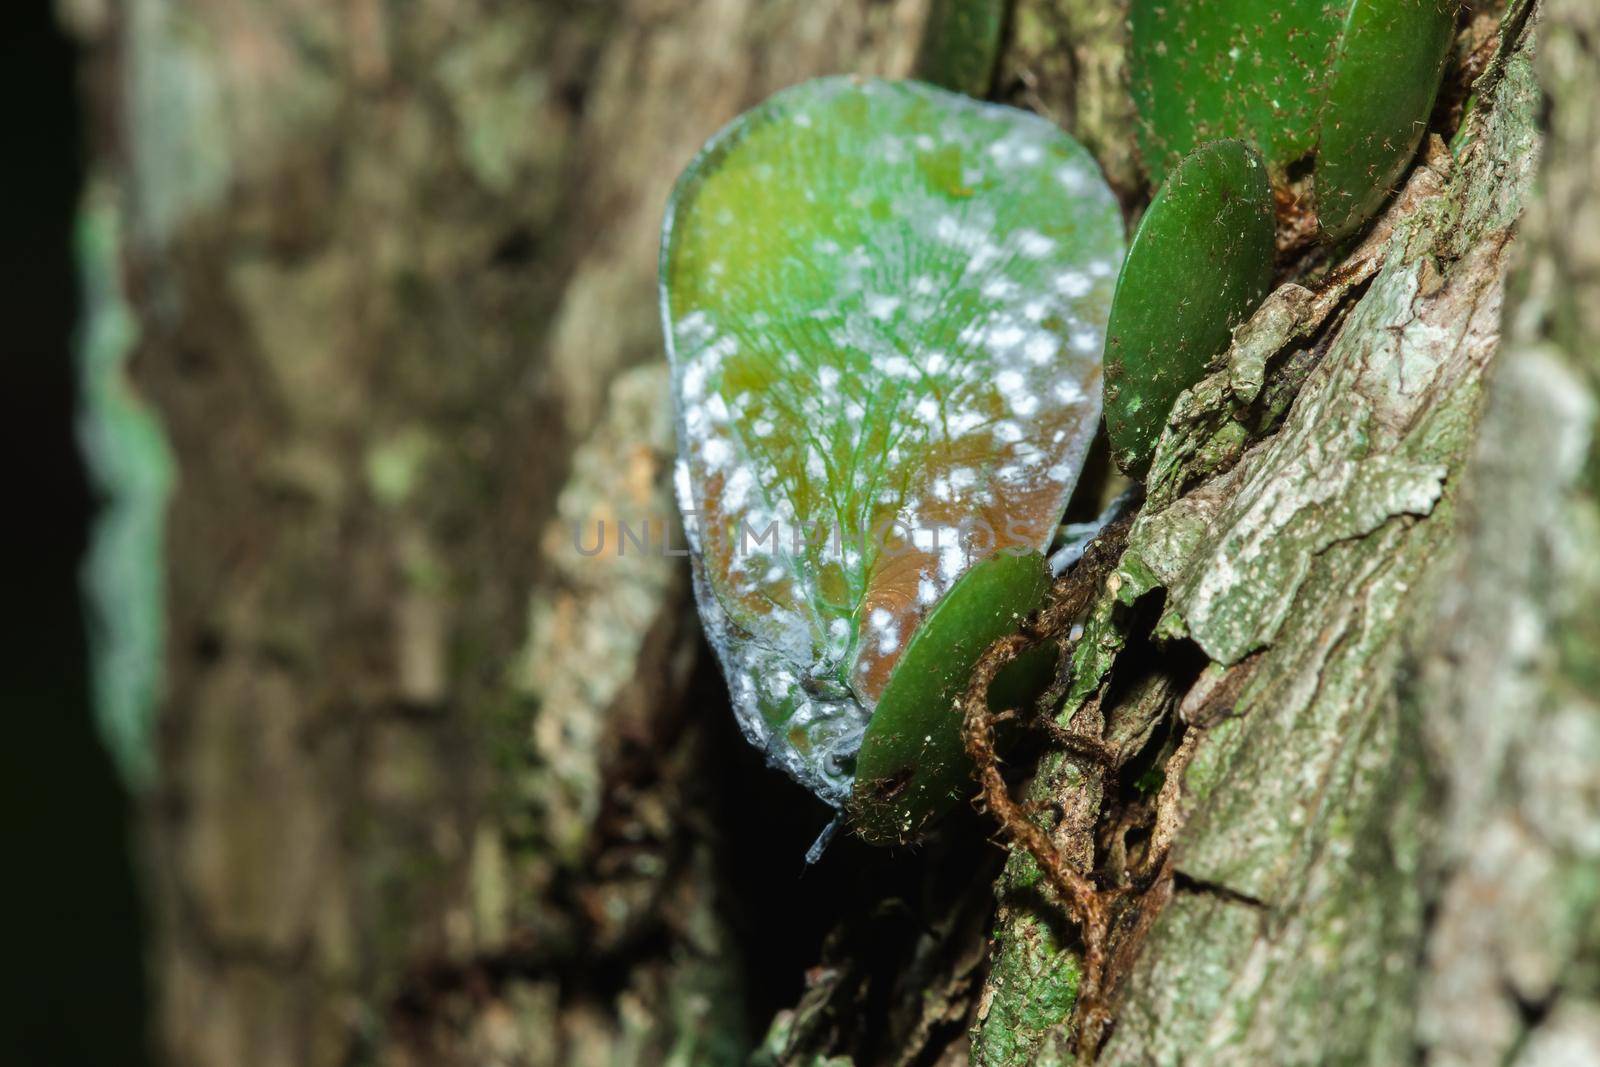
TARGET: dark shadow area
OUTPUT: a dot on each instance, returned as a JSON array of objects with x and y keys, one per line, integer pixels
[
  {"x": 76, "y": 972},
  {"x": 883, "y": 903}
]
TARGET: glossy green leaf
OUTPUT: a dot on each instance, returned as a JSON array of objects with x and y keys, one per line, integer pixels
[
  {"x": 1382, "y": 89},
  {"x": 1345, "y": 85},
  {"x": 1199, "y": 264},
  {"x": 960, "y": 45},
  {"x": 885, "y": 307},
  {"x": 913, "y": 764},
  {"x": 1254, "y": 70}
]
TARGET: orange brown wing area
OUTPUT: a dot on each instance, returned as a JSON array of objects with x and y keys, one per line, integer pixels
[{"x": 1015, "y": 507}]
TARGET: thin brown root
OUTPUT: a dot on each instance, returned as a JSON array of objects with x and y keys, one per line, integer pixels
[
  {"x": 1082, "y": 746},
  {"x": 1084, "y": 903},
  {"x": 1087, "y": 906}
]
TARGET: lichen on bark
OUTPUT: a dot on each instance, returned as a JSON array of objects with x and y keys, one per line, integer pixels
[{"x": 1306, "y": 567}]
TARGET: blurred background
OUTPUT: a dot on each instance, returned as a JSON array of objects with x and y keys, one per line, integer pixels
[
  {"x": 331, "y": 750},
  {"x": 76, "y": 992}
]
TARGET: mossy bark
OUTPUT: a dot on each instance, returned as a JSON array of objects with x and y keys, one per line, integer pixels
[
  {"x": 423, "y": 784},
  {"x": 1379, "y": 829}
]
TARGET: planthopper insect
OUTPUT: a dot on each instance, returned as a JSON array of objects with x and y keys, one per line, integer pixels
[{"x": 885, "y": 307}]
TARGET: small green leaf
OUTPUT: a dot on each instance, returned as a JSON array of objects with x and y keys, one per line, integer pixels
[
  {"x": 885, "y": 307},
  {"x": 960, "y": 45},
  {"x": 1383, "y": 85},
  {"x": 1199, "y": 264},
  {"x": 913, "y": 765}
]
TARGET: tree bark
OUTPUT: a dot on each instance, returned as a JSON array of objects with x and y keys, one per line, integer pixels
[
  {"x": 1377, "y": 836},
  {"x": 421, "y": 783}
]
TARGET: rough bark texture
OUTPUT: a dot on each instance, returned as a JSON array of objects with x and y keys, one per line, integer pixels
[
  {"x": 1381, "y": 813},
  {"x": 424, "y": 784}
]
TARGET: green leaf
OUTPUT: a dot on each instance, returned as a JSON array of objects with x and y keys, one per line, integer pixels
[
  {"x": 1253, "y": 70},
  {"x": 1200, "y": 263},
  {"x": 884, "y": 304},
  {"x": 1382, "y": 89},
  {"x": 913, "y": 765},
  {"x": 960, "y": 45},
  {"x": 1346, "y": 85}
]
